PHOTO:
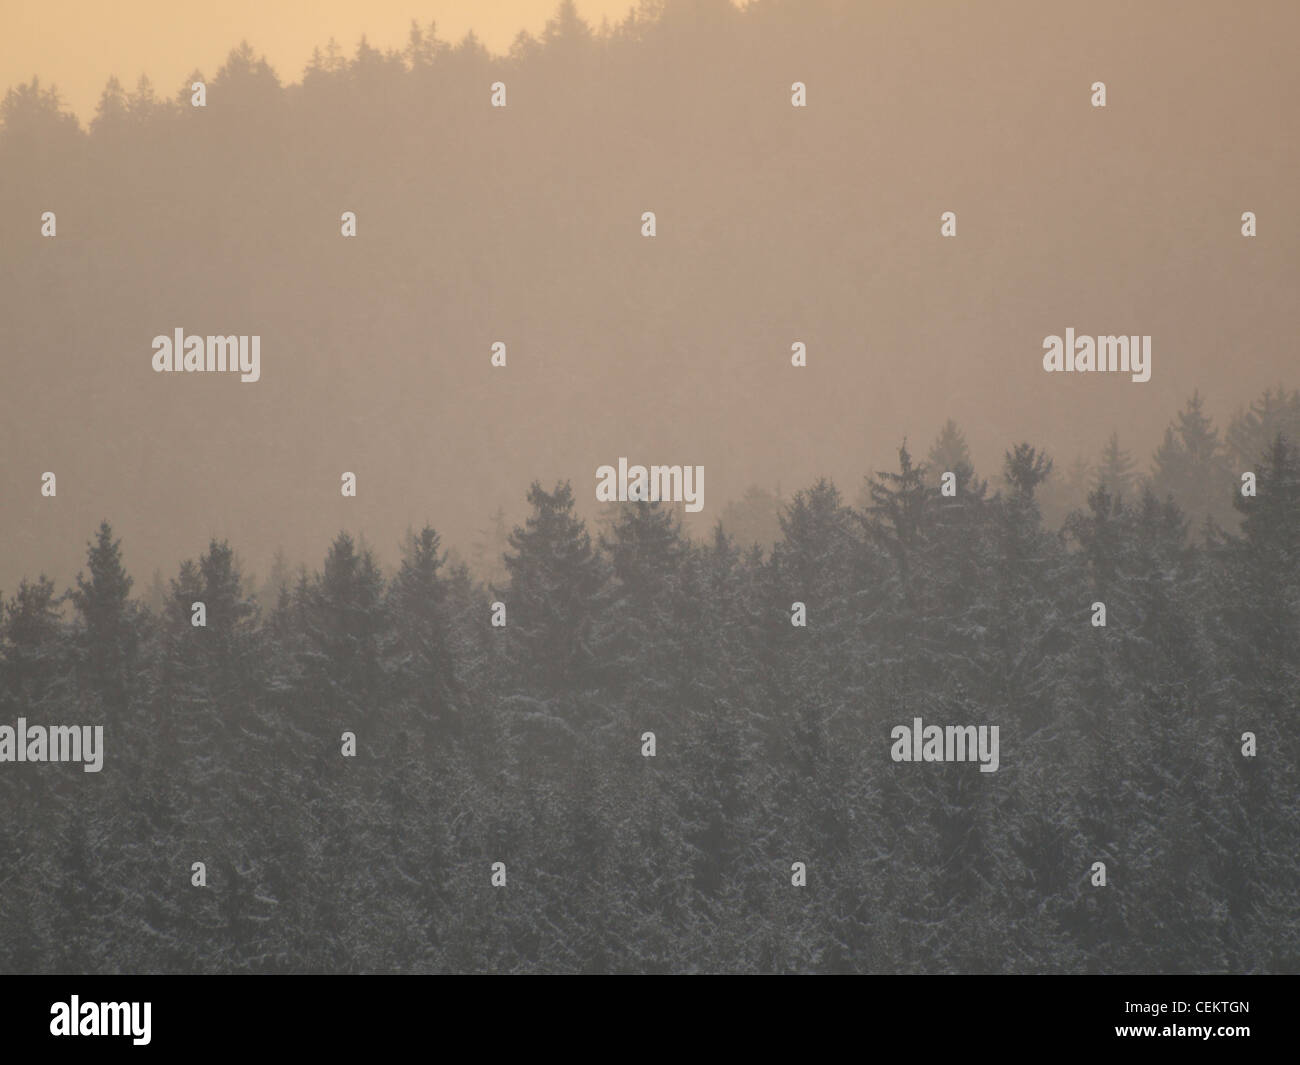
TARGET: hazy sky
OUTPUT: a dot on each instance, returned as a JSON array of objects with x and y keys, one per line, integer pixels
[
  {"x": 818, "y": 224},
  {"x": 78, "y": 44}
]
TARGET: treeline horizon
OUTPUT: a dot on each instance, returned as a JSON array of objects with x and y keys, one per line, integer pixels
[
  {"x": 424, "y": 47},
  {"x": 521, "y": 224},
  {"x": 1196, "y": 467},
  {"x": 523, "y": 744}
]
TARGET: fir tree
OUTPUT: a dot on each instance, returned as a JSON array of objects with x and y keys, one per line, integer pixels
[
  {"x": 1115, "y": 470},
  {"x": 109, "y": 638},
  {"x": 1190, "y": 465}
]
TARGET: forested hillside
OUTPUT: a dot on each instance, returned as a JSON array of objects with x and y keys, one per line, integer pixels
[{"x": 549, "y": 733}]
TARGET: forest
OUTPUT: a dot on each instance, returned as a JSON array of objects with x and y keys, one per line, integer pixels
[
  {"x": 376, "y": 777},
  {"x": 522, "y": 743}
]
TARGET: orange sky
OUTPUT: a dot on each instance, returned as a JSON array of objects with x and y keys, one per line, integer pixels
[{"x": 78, "y": 44}]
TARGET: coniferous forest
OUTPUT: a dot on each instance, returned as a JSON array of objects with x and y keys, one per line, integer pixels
[{"x": 524, "y": 742}]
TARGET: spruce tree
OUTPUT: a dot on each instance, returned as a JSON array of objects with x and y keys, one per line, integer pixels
[
  {"x": 108, "y": 637},
  {"x": 1115, "y": 470}
]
